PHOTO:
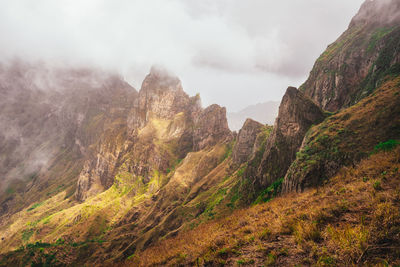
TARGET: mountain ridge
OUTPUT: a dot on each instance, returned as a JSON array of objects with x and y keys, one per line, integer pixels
[{"x": 135, "y": 171}]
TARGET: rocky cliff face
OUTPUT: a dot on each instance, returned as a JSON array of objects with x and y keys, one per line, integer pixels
[
  {"x": 147, "y": 165},
  {"x": 246, "y": 141},
  {"x": 138, "y": 154},
  {"x": 211, "y": 127},
  {"x": 364, "y": 57},
  {"x": 160, "y": 99},
  {"x": 164, "y": 148},
  {"x": 161, "y": 96},
  {"x": 345, "y": 138},
  {"x": 296, "y": 114},
  {"x": 163, "y": 125},
  {"x": 353, "y": 66}
]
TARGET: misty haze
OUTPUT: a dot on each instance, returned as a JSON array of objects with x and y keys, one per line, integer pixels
[{"x": 199, "y": 133}]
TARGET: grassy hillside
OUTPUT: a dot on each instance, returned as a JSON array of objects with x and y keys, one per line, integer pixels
[
  {"x": 108, "y": 224},
  {"x": 193, "y": 206},
  {"x": 152, "y": 179},
  {"x": 353, "y": 219},
  {"x": 336, "y": 224}
]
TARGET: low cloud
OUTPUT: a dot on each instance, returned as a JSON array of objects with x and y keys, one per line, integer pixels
[{"x": 215, "y": 47}]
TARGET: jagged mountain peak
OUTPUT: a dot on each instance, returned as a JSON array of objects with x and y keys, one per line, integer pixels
[
  {"x": 160, "y": 79},
  {"x": 297, "y": 113},
  {"x": 211, "y": 127},
  {"x": 161, "y": 96},
  {"x": 250, "y": 123},
  {"x": 296, "y": 106},
  {"x": 163, "y": 125},
  {"x": 153, "y": 164},
  {"x": 245, "y": 141}
]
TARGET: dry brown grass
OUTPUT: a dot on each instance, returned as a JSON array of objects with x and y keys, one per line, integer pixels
[{"x": 345, "y": 222}]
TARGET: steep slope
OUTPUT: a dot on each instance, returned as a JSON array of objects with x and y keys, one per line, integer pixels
[
  {"x": 346, "y": 137},
  {"x": 163, "y": 126},
  {"x": 150, "y": 147},
  {"x": 157, "y": 177},
  {"x": 143, "y": 176},
  {"x": 296, "y": 114},
  {"x": 362, "y": 64},
  {"x": 353, "y": 66},
  {"x": 210, "y": 127},
  {"x": 246, "y": 144},
  {"x": 351, "y": 220}
]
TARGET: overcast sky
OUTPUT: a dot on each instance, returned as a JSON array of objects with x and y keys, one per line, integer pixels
[{"x": 233, "y": 52}]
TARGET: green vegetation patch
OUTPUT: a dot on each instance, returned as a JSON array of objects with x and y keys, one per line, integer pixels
[
  {"x": 215, "y": 200},
  {"x": 386, "y": 146},
  {"x": 264, "y": 134},
  {"x": 228, "y": 152},
  {"x": 241, "y": 171},
  {"x": 270, "y": 192},
  {"x": 378, "y": 35},
  {"x": 382, "y": 66},
  {"x": 34, "y": 206},
  {"x": 172, "y": 168},
  {"x": 10, "y": 190},
  {"x": 337, "y": 46},
  {"x": 27, "y": 234}
]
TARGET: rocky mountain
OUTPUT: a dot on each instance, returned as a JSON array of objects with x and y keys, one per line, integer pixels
[
  {"x": 354, "y": 65},
  {"x": 262, "y": 112},
  {"x": 146, "y": 150},
  {"x": 94, "y": 172},
  {"x": 246, "y": 144},
  {"x": 296, "y": 114},
  {"x": 346, "y": 137}
]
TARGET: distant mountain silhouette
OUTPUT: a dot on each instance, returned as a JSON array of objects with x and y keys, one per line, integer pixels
[{"x": 262, "y": 112}]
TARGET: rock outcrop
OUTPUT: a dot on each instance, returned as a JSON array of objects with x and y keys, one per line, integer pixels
[
  {"x": 346, "y": 137},
  {"x": 296, "y": 114},
  {"x": 150, "y": 164},
  {"x": 354, "y": 65},
  {"x": 211, "y": 127},
  {"x": 132, "y": 141},
  {"x": 163, "y": 125},
  {"x": 245, "y": 141},
  {"x": 160, "y": 96}
]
